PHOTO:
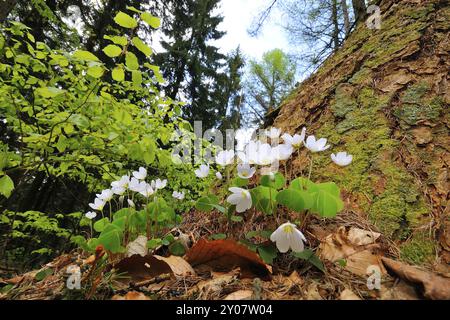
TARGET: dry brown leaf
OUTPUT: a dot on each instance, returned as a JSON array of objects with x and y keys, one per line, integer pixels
[
  {"x": 348, "y": 294},
  {"x": 138, "y": 246},
  {"x": 358, "y": 262},
  {"x": 225, "y": 255},
  {"x": 355, "y": 246},
  {"x": 295, "y": 279},
  {"x": 178, "y": 265},
  {"x": 213, "y": 287},
  {"x": 435, "y": 287},
  {"x": 138, "y": 268},
  {"x": 132, "y": 295},
  {"x": 313, "y": 292},
  {"x": 399, "y": 291},
  {"x": 336, "y": 246},
  {"x": 240, "y": 295},
  {"x": 360, "y": 237},
  {"x": 90, "y": 260}
]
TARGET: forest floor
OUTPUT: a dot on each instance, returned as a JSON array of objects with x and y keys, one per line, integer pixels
[{"x": 352, "y": 254}]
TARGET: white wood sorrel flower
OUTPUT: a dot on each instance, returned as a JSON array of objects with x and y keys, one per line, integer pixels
[
  {"x": 147, "y": 191},
  {"x": 159, "y": 184},
  {"x": 245, "y": 171},
  {"x": 225, "y": 158},
  {"x": 98, "y": 204},
  {"x": 91, "y": 215},
  {"x": 273, "y": 133},
  {"x": 287, "y": 236},
  {"x": 106, "y": 195},
  {"x": 342, "y": 158},
  {"x": 219, "y": 175},
  {"x": 296, "y": 140},
  {"x": 203, "y": 171},
  {"x": 241, "y": 198},
  {"x": 282, "y": 151},
  {"x": 316, "y": 145},
  {"x": 141, "y": 174},
  {"x": 136, "y": 185},
  {"x": 178, "y": 195}
]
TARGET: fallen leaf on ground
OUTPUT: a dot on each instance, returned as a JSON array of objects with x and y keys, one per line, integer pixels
[
  {"x": 348, "y": 294},
  {"x": 356, "y": 247},
  {"x": 138, "y": 246},
  {"x": 362, "y": 237},
  {"x": 295, "y": 279},
  {"x": 399, "y": 291},
  {"x": 212, "y": 287},
  {"x": 312, "y": 292},
  {"x": 132, "y": 295},
  {"x": 435, "y": 287},
  {"x": 359, "y": 262},
  {"x": 138, "y": 268},
  {"x": 225, "y": 255},
  {"x": 178, "y": 265},
  {"x": 240, "y": 295}
]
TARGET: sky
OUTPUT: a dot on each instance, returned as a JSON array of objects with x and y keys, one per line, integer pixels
[{"x": 238, "y": 16}]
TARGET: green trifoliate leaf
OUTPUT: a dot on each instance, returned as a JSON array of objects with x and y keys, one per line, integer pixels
[{"x": 295, "y": 200}]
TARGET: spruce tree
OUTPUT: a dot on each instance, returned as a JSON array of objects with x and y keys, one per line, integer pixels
[{"x": 191, "y": 64}]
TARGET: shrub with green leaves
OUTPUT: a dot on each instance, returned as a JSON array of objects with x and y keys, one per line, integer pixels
[{"x": 70, "y": 115}]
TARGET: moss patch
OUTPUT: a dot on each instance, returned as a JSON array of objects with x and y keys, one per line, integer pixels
[
  {"x": 417, "y": 106},
  {"x": 419, "y": 250}
]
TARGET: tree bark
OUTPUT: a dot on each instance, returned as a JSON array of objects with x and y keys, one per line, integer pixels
[
  {"x": 345, "y": 16},
  {"x": 359, "y": 9},
  {"x": 334, "y": 17},
  {"x": 6, "y": 7},
  {"x": 395, "y": 103}
]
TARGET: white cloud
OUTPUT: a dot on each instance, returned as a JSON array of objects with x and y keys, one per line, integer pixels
[{"x": 238, "y": 18}]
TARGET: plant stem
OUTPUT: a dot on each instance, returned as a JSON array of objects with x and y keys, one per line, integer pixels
[{"x": 310, "y": 167}]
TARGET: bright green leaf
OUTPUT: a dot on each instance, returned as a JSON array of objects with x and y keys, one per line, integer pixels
[
  {"x": 141, "y": 46},
  {"x": 131, "y": 61},
  {"x": 118, "y": 74},
  {"x": 151, "y": 20},
  {"x": 124, "y": 20},
  {"x": 85, "y": 55},
  {"x": 6, "y": 186},
  {"x": 112, "y": 50}
]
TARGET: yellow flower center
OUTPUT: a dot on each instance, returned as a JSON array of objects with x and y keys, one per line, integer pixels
[{"x": 288, "y": 229}]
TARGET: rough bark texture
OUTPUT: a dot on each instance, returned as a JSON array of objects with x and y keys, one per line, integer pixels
[{"x": 383, "y": 97}]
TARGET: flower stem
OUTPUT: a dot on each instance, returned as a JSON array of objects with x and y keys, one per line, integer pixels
[{"x": 310, "y": 167}]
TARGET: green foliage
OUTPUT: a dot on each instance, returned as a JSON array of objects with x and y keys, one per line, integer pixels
[
  {"x": 310, "y": 257},
  {"x": 34, "y": 234},
  {"x": 6, "y": 186},
  {"x": 73, "y": 121},
  {"x": 270, "y": 81}
]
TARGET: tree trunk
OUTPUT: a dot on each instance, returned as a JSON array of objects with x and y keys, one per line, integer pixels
[
  {"x": 334, "y": 18},
  {"x": 6, "y": 7},
  {"x": 359, "y": 9},
  {"x": 346, "y": 17},
  {"x": 383, "y": 97}
]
